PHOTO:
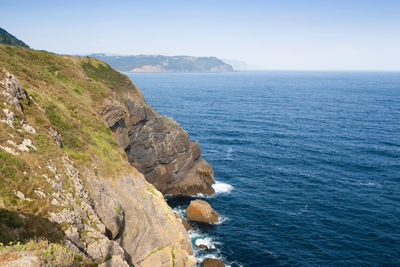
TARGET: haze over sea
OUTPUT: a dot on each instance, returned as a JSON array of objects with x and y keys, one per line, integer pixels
[{"x": 312, "y": 158}]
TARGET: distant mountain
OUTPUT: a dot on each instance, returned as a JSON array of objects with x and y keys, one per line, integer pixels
[
  {"x": 9, "y": 39},
  {"x": 158, "y": 63}
]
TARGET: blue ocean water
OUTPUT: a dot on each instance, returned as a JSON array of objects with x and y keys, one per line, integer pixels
[{"x": 313, "y": 159}]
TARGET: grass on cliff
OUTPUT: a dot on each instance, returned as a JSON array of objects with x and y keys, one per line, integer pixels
[
  {"x": 50, "y": 254},
  {"x": 71, "y": 90},
  {"x": 68, "y": 95},
  {"x": 22, "y": 227}
]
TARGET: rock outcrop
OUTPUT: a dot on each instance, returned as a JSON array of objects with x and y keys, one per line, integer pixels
[
  {"x": 212, "y": 263},
  {"x": 159, "y": 148},
  {"x": 201, "y": 211},
  {"x": 118, "y": 204}
]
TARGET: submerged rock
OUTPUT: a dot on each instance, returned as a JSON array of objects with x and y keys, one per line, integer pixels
[
  {"x": 212, "y": 263},
  {"x": 200, "y": 211}
]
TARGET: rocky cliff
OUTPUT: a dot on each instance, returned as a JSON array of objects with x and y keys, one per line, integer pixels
[
  {"x": 157, "y": 146},
  {"x": 64, "y": 176}
]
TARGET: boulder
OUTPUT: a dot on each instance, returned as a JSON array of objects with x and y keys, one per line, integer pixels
[
  {"x": 200, "y": 211},
  {"x": 212, "y": 263}
]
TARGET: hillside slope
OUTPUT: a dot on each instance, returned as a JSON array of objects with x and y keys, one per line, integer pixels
[
  {"x": 9, "y": 39},
  {"x": 63, "y": 174},
  {"x": 158, "y": 63}
]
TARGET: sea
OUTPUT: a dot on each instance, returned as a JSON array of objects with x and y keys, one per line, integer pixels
[{"x": 307, "y": 164}]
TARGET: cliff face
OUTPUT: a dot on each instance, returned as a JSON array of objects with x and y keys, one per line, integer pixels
[
  {"x": 157, "y": 146},
  {"x": 65, "y": 178}
]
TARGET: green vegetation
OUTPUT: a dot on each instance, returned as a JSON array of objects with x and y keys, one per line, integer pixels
[
  {"x": 71, "y": 91},
  {"x": 18, "y": 227},
  {"x": 9, "y": 39},
  {"x": 51, "y": 254},
  {"x": 151, "y": 190},
  {"x": 173, "y": 256},
  {"x": 10, "y": 166},
  {"x": 68, "y": 95},
  {"x": 117, "y": 211},
  {"x": 156, "y": 250}
]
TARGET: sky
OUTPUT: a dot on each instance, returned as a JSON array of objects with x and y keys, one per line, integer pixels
[{"x": 265, "y": 34}]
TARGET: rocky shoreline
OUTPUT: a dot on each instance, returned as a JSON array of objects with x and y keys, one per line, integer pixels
[
  {"x": 160, "y": 149},
  {"x": 93, "y": 186}
]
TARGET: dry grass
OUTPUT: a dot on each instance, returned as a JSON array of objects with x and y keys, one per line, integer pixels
[
  {"x": 68, "y": 94},
  {"x": 50, "y": 254}
]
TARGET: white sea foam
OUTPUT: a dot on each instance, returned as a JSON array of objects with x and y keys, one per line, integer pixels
[
  {"x": 370, "y": 184},
  {"x": 220, "y": 187},
  {"x": 207, "y": 241},
  {"x": 229, "y": 154},
  {"x": 221, "y": 219},
  {"x": 200, "y": 238},
  {"x": 194, "y": 234},
  {"x": 180, "y": 211},
  {"x": 361, "y": 183}
]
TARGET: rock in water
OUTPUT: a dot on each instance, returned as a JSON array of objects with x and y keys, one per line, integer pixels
[
  {"x": 201, "y": 211},
  {"x": 204, "y": 247},
  {"x": 212, "y": 263}
]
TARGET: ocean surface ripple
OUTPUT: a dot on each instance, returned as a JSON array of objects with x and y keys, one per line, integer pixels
[{"x": 308, "y": 163}]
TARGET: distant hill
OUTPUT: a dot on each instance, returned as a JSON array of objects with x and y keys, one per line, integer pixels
[
  {"x": 158, "y": 63},
  {"x": 9, "y": 39},
  {"x": 237, "y": 64}
]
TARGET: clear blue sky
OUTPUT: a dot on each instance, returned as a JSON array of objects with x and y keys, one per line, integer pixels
[{"x": 279, "y": 34}]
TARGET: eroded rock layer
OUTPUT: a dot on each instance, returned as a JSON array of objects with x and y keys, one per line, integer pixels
[{"x": 159, "y": 148}]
